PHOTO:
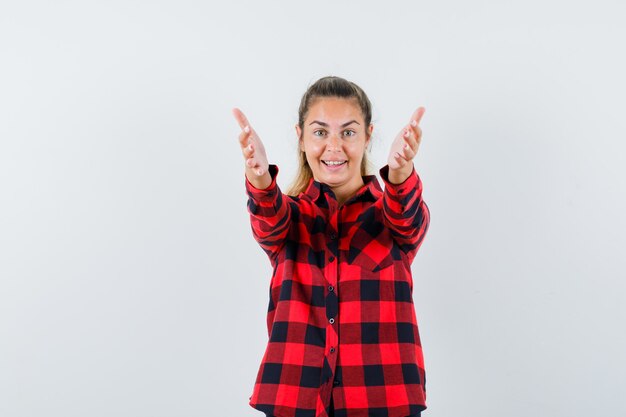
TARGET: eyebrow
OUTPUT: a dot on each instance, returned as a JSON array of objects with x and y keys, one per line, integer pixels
[{"x": 326, "y": 124}]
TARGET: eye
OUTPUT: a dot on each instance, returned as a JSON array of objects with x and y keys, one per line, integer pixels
[
  {"x": 349, "y": 133},
  {"x": 319, "y": 132}
]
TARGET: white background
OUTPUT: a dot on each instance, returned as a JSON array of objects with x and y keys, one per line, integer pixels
[{"x": 130, "y": 284}]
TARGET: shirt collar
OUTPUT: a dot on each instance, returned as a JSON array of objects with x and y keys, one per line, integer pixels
[{"x": 370, "y": 190}]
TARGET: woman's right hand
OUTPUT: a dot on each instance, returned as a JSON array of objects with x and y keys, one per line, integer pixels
[{"x": 253, "y": 153}]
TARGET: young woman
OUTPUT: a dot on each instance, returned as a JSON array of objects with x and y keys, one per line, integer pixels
[{"x": 343, "y": 336}]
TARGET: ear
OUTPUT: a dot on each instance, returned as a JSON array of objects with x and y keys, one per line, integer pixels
[
  {"x": 370, "y": 129},
  {"x": 299, "y": 135}
]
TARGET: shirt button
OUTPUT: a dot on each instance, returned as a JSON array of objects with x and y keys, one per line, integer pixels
[
  {"x": 332, "y": 258},
  {"x": 331, "y": 288},
  {"x": 332, "y": 350},
  {"x": 333, "y": 236},
  {"x": 335, "y": 382},
  {"x": 331, "y": 321}
]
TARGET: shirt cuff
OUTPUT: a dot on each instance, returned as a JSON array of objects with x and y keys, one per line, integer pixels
[
  {"x": 412, "y": 182},
  {"x": 266, "y": 194}
]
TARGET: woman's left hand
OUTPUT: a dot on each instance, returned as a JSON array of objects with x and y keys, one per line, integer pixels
[{"x": 404, "y": 148}]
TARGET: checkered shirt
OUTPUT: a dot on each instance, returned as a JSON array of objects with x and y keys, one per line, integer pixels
[{"x": 341, "y": 319}]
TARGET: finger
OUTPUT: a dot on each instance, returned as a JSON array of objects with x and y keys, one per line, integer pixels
[
  {"x": 416, "y": 131},
  {"x": 252, "y": 163},
  {"x": 244, "y": 137},
  {"x": 417, "y": 116},
  {"x": 399, "y": 158},
  {"x": 410, "y": 139},
  {"x": 394, "y": 161},
  {"x": 248, "y": 151},
  {"x": 408, "y": 152},
  {"x": 241, "y": 118},
  {"x": 399, "y": 162},
  {"x": 254, "y": 166}
]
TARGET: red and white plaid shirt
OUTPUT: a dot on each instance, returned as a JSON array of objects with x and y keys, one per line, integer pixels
[{"x": 341, "y": 318}]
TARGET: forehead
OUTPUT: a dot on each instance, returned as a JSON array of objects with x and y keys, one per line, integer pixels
[{"x": 334, "y": 110}]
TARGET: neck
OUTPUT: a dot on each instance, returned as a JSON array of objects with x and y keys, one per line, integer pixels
[{"x": 344, "y": 192}]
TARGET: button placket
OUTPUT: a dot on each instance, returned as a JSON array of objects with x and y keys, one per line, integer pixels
[{"x": 331, "y": 272}]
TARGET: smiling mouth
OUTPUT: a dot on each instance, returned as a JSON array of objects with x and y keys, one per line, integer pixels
[{"x": 333, "y": 163}]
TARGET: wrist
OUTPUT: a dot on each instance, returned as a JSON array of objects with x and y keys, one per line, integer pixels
[
  {"x": 399, "y": 175},
  {"x": 260, "y": 182}
]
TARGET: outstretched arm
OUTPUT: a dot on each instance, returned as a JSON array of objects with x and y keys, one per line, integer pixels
[
  {"x": 270, "y": 212},
  {"x": 406, "y": 213}
]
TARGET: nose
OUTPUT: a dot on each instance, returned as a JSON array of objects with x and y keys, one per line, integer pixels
[{"x": 334, "y": 142}]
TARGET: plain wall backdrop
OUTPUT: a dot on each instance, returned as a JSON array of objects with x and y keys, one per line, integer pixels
[{"x": 130, "y": 283}]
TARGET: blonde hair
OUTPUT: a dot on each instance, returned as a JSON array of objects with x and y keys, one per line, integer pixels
[{"x": 327, "y": 87}]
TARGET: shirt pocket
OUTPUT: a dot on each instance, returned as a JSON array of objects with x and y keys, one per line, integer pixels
[{"x": 373, "y": 253}]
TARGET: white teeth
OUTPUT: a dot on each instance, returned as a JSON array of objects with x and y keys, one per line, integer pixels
[{"x": 334, "y": 162}]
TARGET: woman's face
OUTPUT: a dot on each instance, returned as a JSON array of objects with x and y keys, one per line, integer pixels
[{"x": 334, "y": 141}]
